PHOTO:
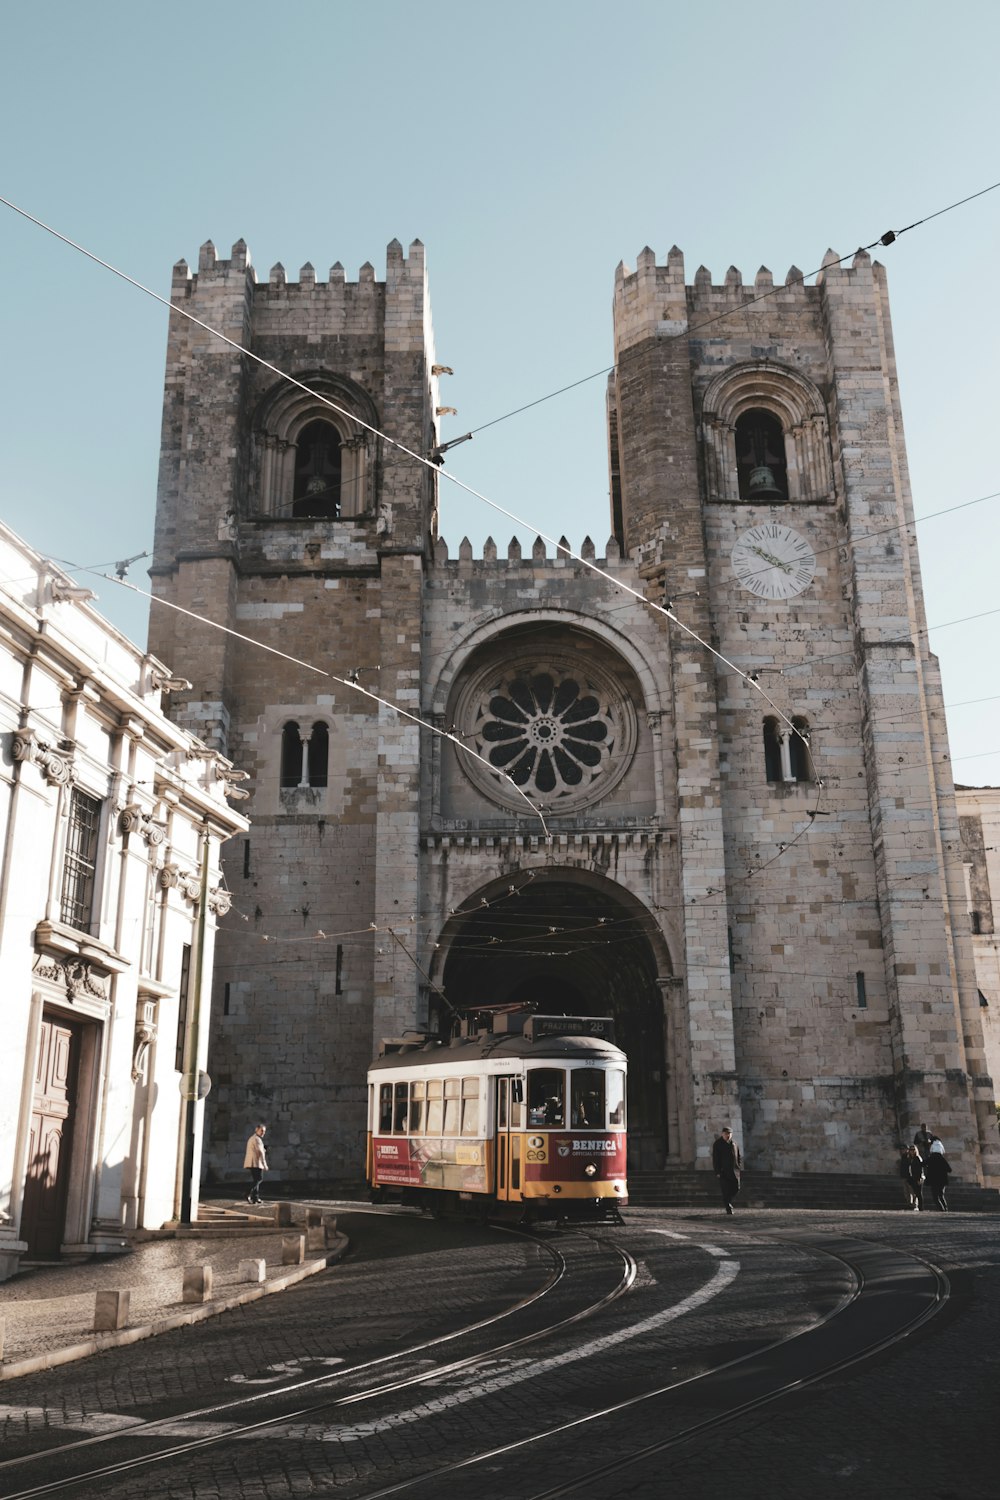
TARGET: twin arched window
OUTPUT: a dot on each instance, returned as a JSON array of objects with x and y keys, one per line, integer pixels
[
  {"x": 786, "y": 751},
  {"x": 304, "y": 756}
]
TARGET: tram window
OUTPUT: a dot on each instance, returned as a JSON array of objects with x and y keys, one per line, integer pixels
[
  {"x": 452, "y": 1106},
  {"x": 546, "y": 1096},
  {"x": 517, "y": 1104},
  {"x": 502, "y": 1085},
  {"x": 434, "y": 1107},
  {"x": 385, "y": 1109},
  {"x": 587, "y": 1098},
  {"x": 417, "y": 1092},
  {"x": 401, "y": 1110},
  {"x": 470, "y": 1106},
  {"x": 616, "y": 1096}
]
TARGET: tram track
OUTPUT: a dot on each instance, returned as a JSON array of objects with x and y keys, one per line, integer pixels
[
  {"x": 891, "y": 1296},
  {"x": 234, "y": 1431},
  {"x": 783, "y": 1368}
]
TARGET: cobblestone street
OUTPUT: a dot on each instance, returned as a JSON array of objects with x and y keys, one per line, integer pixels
[{"x": 707, "y": 1291}]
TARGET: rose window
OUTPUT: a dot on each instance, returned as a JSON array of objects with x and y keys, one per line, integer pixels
[
  {"x": 546, "y": 734},
  {"x": 561, "y": 735}
]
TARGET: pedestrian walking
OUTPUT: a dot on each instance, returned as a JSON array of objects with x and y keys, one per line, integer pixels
[
  {"x": 922, "y": 1140},
  {"x": 255, "y": 1157},
  {"x": 904, "y": 1175},
  {"x": 728, "y": 1165},
  {"x": 936, "y": 1172},
  {"x": 915, "y": 1176}
]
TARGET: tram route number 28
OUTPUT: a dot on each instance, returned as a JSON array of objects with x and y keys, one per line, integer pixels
[{"x": 536, "y": 1149}]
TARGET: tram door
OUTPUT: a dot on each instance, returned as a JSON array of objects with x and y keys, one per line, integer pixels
[{"x": 510, "y": 1109}]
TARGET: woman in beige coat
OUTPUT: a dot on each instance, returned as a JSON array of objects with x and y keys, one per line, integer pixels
[{"x": 255, "y": 1158}]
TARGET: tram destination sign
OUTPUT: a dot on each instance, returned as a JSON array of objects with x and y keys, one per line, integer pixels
[{"x": 540, "y": 1026}]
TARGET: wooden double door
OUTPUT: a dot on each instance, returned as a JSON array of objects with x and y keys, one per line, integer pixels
[{"x": 46, "y": 1183}]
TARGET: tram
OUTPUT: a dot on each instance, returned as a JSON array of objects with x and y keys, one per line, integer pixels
[{"x": 521, "y": 1115}]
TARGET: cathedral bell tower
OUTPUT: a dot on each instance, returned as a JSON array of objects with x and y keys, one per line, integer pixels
[
  {"x": 284, "y": 517},
  {"x": 759, "y": 483}
]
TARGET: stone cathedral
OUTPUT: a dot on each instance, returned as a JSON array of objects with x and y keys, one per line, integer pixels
[{"x": 748, "y": 849}]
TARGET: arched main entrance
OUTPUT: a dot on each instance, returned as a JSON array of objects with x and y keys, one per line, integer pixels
[{"x": 569, "y": 947}]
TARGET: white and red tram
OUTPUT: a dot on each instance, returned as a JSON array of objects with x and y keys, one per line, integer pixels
[{"x": 528, "y": 1116}]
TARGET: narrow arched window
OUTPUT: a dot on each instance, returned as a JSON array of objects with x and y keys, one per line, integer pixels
[
  {"x": 772, "y": 751},
  {"x": 291, "y": 756},
  {"x": 317, "y": 472},
  {"x": 318, "y": 754},
  {"x": 761, "y": 467},
  {"x": 800, "y": 761}
]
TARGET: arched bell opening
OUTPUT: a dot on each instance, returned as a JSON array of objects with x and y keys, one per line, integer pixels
[
  {"x": 569, "y": 948},
  {"x": 317, "y": 472},
  {"x": 761, "y": 465}
]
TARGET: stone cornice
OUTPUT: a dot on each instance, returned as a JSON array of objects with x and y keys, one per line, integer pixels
[{"x": 565, "y": 843}]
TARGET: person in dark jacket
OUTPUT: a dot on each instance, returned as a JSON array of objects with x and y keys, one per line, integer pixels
[
  {"x": 728, "y": 1165},
  {"x": 904, "y": 1175},
  {"x": 915, "y": 1175},
  {"x": 936, "y": 1172}
]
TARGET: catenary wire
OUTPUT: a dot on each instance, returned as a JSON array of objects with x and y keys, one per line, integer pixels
[
  {"x": 886, "y": 239},
  {"x": 400, "y": 447},
  {"x": 751, "y": 679},
  {"x": 332, "y": 677},
  {"x": 639, "y": 597}
]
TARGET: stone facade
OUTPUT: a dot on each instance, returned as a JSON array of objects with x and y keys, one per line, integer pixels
[
  {"x": 111, "y": 818},
  {"x": 979, "y": 824},
  {"x": 733, "y": 827}
]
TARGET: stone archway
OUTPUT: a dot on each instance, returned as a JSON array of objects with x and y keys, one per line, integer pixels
[{"x": 571, "y": 947}]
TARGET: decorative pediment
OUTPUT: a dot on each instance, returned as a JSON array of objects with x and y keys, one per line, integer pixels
[{"x": 75, "y": 975}]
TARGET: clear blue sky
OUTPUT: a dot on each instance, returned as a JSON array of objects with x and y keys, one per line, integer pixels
[{"x": 531, "y": 146}]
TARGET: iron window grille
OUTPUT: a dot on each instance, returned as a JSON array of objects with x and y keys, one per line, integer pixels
[{"x": 80, "y": 863}]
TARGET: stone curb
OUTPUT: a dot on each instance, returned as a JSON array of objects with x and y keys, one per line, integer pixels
[{"x": 97, "y": 1342}]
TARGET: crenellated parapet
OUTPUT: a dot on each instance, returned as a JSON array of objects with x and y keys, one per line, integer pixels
[
  {"x": 654, "y": 299},
  {"x": 401, "y": 271},
  {"x": 540, "y": 554}
]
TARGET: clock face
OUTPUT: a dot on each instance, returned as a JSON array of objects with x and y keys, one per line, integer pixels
[{"x": 773, "y": 561}]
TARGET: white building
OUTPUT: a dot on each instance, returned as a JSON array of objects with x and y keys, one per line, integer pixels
[{"x": 111, "y": 819}]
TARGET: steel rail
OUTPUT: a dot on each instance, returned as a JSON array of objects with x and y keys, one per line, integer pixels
[
  {"x": 578, "y": 1486},
  {"x": 626, "y": 1279},
  {"x": 801, "y": 1383}
]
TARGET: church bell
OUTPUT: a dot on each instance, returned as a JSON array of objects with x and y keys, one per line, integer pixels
[{"x": 762, "y": 485}]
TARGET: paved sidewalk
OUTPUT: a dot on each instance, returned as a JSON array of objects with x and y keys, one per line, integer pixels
[{"x": 48, "y": 1310}]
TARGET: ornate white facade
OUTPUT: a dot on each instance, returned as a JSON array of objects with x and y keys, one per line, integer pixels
[{"x": 111, "y": 819}]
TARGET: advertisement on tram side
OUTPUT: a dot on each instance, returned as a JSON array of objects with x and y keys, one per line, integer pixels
[
  {"x": 557, "y": 1155},
  {"x": 412, "y": 1161}
]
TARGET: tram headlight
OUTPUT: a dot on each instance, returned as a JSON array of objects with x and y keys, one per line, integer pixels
[{"x": 590, "y": 1170}]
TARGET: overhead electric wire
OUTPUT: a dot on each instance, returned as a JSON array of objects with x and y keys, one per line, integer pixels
[
  {"x": 343, "y": 681},
  {"x": 400, "y": 447},
  {"x": 886, "y": 239}
]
